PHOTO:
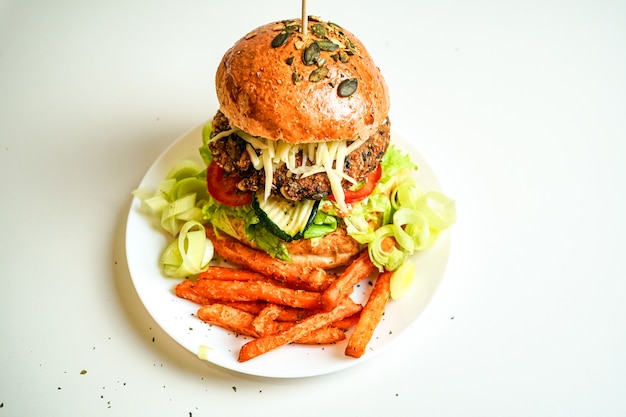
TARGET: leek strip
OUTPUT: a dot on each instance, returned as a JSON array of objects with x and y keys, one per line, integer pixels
[
  {"x": 390, "y": 259},
  {"x": 157, "y": 203},
  {"x": 189, "y": 254},
  {"x": 406, "y": 194},
  {"x": 190, "y": 186},
  {"x": 174, "y": 209},
  {"x": 183, "y": 169},
  {"x": 143, "y": 193},
  {"x": 439, "y": 209},
  {"x": 411, "y": 229},
  {"x": 402, "y": 279}
]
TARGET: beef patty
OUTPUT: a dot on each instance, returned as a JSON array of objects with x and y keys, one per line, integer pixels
[{"x": 230, "y": 153}]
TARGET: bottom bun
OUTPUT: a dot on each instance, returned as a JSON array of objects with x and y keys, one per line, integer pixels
[{"x": 333, "y": 250}]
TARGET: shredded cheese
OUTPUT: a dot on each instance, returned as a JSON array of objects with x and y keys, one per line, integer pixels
[{"x": 316, "y": 157}]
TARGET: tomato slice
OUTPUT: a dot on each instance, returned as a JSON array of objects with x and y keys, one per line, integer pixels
[
  {"x": 224, "y": 188},
  {"x": 353, "y": 196}
]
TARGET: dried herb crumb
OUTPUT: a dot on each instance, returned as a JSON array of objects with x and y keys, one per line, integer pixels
[
  {"x": 234, "y": 389},
  {"x": 83, "y": 372}
]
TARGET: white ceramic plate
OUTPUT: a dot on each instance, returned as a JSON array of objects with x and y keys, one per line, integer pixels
[{"x": 145, "y": 242}]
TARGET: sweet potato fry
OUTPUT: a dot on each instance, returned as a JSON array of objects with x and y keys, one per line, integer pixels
[
  {"x": 313, "y": 279},
  {"x": 234, "y": 274},
  {"x": 286, "y": 313},
  {"x": 264, "y": 344},
  {"x": 322, "y": 336},
  {"x": 347, "y": 323},
  {"x": 254, "y": 291},
  {"x": 240, "y": 322},
  {"x": 371, "y": 315},
  {"x": 229, "y": 318},
  {"x": 236, "y": 320},
  {"x": 343, "y": 286},
  {"x": 263, "y": 321},
  {"x": 187, "y": 289}
]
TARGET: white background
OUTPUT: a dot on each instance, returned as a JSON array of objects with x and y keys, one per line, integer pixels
[{"x": 519, "y": 107}]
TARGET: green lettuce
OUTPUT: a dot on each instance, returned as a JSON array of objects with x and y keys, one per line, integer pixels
[{"x": 377, "y": 209}]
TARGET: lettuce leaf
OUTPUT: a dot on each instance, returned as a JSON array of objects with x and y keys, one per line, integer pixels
[
  {"x": 204, "y": 151},
  {"x": 230, "y": 220},
  {"x": 394, "y": 163}
]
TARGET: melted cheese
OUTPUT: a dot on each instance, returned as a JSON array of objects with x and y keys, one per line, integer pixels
[{"x": 316, "y": 157}]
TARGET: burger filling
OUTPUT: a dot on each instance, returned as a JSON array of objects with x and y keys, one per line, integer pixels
[{"x": 296, "y": 171}]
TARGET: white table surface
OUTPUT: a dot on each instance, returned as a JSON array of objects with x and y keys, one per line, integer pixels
[{"x": 519, "y": 107}]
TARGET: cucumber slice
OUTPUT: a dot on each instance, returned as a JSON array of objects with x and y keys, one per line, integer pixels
[{"x": 285, "y": 218}]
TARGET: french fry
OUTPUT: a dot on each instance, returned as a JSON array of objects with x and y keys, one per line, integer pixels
[
  {"x": 265, "y": 344},
  {"x": 371, "y": 315},
  {"x": 343, "y": 286},
  {"x": 209, "y": 289},
  {"x": 309, "y": 278},
  {"x": 234, "y": 274}
]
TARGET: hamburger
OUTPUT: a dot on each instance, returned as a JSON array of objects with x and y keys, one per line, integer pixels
[{"x": 297, "y": 143}]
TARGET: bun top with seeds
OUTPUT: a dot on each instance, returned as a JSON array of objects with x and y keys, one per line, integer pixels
[
  {"x": 297, "y": 142},
  {"x": 280, "y": 84}
]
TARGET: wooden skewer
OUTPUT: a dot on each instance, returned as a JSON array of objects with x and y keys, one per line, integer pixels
[{"x": 305, "y": 22}]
